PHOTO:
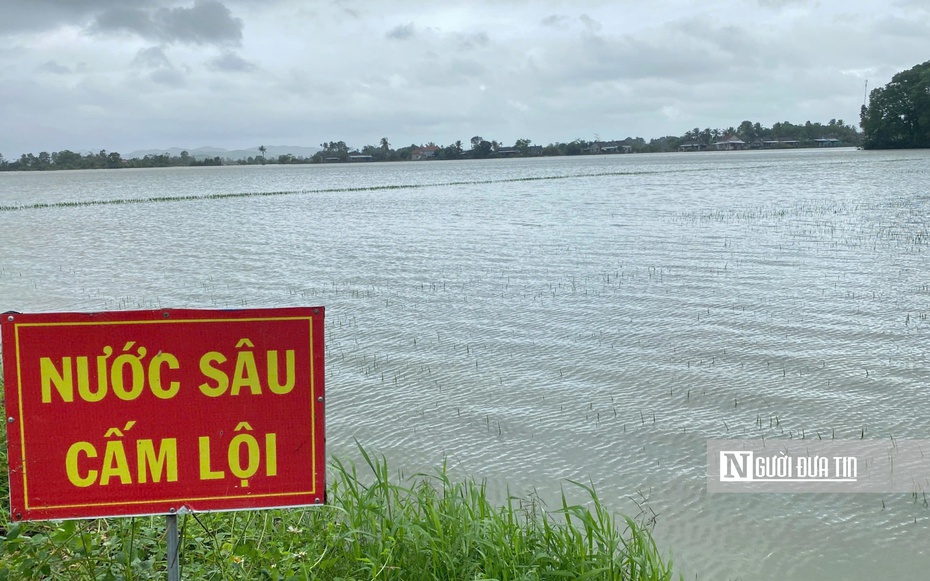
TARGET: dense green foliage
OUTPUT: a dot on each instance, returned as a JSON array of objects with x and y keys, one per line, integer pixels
[
  {"x": 898, "y": 114},
  {"x": 750, "y": 132},
  {"x": 481, "y": 148},
  {"x": 373, "y": 527},
  {"x": 102, "y": 160}
]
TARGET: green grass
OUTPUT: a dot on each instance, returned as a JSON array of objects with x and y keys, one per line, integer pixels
[{"x": 374, "y": 527}]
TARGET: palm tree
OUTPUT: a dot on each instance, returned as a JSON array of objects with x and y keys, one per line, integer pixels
[{"x": 262, "y": 149}]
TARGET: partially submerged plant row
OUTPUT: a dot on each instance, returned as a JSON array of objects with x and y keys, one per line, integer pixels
[{"x": 152, "y": 199}]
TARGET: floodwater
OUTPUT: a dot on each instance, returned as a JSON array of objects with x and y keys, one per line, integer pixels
[{"x": 543, "y": 320}]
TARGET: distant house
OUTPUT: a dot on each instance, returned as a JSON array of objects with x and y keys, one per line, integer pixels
[
  {"x": 779, "y": 143},
  {"x": 357, "y": 156},
  {"x": 610, "y": 147},
  {"x": 691, "y": 146},
  {"x": 827, "y": 142},
  {"x": 421, "y": 153},
  {"x": 508, "y": 152},
  {"x": 730, "y": 143}
]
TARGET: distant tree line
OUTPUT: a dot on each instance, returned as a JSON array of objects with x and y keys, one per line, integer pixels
[
  {"x": 67, "y": 159},
  {"x": 898, "y": 114},
  {"x": 477, "y": 148},
  {"x": 750, "y": 133}
]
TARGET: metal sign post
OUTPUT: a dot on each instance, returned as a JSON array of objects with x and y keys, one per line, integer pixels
[{"x": 174, "y": 572}]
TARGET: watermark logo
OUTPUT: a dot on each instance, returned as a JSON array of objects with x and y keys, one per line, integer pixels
[
  {"x": 745, "y": 466},
  {"x": 817, "y": 466},
  {"x": 736, "y": 466}
]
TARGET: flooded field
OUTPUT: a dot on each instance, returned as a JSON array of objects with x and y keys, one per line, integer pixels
[{"x": 544, "y": 320}]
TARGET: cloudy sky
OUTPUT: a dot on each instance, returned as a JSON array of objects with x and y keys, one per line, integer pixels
[{"x": 120, "y": 75}]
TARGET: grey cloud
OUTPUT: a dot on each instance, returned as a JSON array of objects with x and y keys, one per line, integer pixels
[
  {"x": 153, "y": 57},
  {"x": 401, "y": 32},
  {"x": 589, "y": 23},
  {"x": 54, "y": 67},
  {"x": 678, "y": 53},
  {"x": 895, "y": 27},
  {"x": 231, "y": 62},
  {"x": 555, "y": 21},
  {"x": 777, "y": 4},
  {"x": 36, "y": 15},
  {"x": 689, "y": 61},
  {"x": 472, "y": 41},
  {"x": 920, "y": 5},
  {"x": 562, "y": 22},
  {"x": 169, "y": 77},
  {"x": 162, "y": 71},
  {"x": 85, "y": 5},
  {"x": 206, "y": 22},
  {"x": 123, "y": 19},
  {"x": 456, "y": 72},
  {"x": 728, "y": 41}
]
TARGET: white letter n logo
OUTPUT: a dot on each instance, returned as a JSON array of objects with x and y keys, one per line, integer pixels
[{"x": 735, "y": 466}]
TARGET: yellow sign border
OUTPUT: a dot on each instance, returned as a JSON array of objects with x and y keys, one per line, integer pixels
[{"x": 22, "y": 425}]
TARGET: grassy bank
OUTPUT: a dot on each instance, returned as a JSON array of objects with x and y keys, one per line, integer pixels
[{"x": 374, "y": 526}]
